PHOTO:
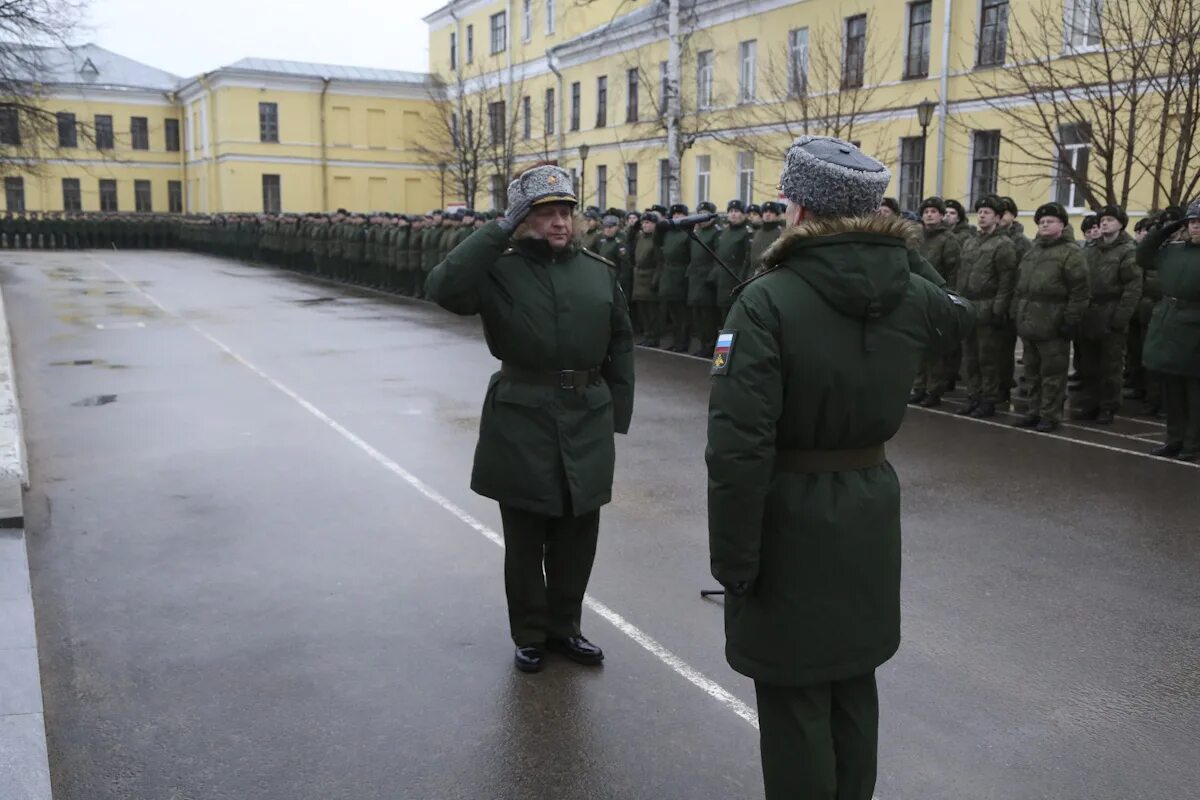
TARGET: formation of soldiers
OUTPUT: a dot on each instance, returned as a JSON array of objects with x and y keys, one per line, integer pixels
[{"x": 1084, "y": 301}]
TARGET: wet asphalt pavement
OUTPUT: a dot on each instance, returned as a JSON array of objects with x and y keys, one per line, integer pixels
[{"x": 259, "y": 572}]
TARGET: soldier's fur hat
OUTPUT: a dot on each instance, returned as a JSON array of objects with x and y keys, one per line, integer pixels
[
  {"x": 1051, "y": 210},
  {"x": 957, "y": 206},
  {"x": 542, "y": 184},
  {"x": 774, "y": 207},
  {"x": 890, "y": 202},
  {"x": 936, "y": 203},
  {"x": 736, "y": 205},
  {"x": 993, "y": 202},
  {"x": 833, "y": 178},
  {"x": 1089, "y": 222},
  {"x": 1116, "y": 212}
]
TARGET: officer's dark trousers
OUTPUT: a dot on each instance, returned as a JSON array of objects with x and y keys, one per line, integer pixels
[
  {"x": 1181, "y": 395},
  {"x": 819, "y": 742},
  {"x": 547, "y": 563},
  {"x": 1101, "y": 362}
]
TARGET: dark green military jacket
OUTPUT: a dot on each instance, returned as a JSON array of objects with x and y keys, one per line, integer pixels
[
  {"x": 987, "y": 274},
  {"x": 702, "y": 284},
  {"x": 430, "y": 243},
  {"x": 446, "y": 242},
  {"x": 963, "y": 231},
  {"x": 734, "y": 249},
  {"x": 1173, "y": 337},
  {"x": 1147, "y": 258},
  {"x": 762, "y": 239},
  {"x": 826, "y": 345},
  {"x": 647, "y": 266},
  {"x": 1052, "y": 291},
  {"x": 1023, "y": 243},
  {"x": 676, "y": 249},
  {"x": 941, "y": 249},
  {"x": 544, "y": 311},
  {"x": 1116, "y": 286},
  {"x": 617, "y": 251}
]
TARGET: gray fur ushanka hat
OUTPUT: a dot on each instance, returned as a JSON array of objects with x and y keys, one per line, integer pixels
[
  {"x": 545, "y": 184},
  {"x": 833, "y": 178}
]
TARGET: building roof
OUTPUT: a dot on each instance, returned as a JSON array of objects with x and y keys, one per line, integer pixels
[
  {"x": 303, "y": 69},
  {"x": 87, "y": 65}
]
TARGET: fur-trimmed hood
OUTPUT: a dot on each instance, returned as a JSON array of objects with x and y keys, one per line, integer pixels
[{"x": 859, "y": 265}]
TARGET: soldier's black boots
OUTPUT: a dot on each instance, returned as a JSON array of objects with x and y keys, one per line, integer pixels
[
  {"x": 969, "y": 409},
  {"x": 1191, "y": 458},
  {"x": 1167, "y": 450},
  {"x": 1046, "y": 426},
  {"x": 528, "y": 659},
  {"x": 931, "y": 401},
  {"x": 1028, "y": 421},
  {"x": 916, "y": 398},
  {"x": 1084, "y": 416},
  {"x": 1105, "y": 417},
  {"x": 576, "y": 648},
  {"x": 985, "y": 410}
]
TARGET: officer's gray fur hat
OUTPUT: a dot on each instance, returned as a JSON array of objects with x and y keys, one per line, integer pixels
[
  {"x": 833, "y": 178},
  {"x": 610, "y": 221},
  {"x": 1193, "y": 211},
  {"x": 546, "y": 184}
]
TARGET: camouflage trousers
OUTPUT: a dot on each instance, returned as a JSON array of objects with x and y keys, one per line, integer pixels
[
  {"x": 1101, "y": 365},
  {"x": 981, "y": 363},
  {"x": 1046, "y": 367}
]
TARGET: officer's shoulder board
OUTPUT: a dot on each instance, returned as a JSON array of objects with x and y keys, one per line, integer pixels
[
  {"x": 598, "y": 257},
  {"x": 741, "y": 286}
]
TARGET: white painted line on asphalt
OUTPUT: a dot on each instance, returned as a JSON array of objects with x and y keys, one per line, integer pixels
[{"x": 643, "y": 639}]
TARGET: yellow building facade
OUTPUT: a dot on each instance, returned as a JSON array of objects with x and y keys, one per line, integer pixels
[
  {"x": 257, "y": 135},
  {"x": 590, "y": 78}
]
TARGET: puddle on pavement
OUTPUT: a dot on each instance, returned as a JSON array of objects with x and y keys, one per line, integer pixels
[
  {"x": 96, "y": 400},
  {"x": 315, "y": 301},
  {"x": 99, "y": 363}
]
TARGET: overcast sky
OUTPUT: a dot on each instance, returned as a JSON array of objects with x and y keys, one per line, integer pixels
[{"x": 191, "y": 38}]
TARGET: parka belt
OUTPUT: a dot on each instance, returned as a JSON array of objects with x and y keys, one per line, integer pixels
[
  {"x": 1182, "y": 305},
  {"x": 1045, "y": 297},
  {"x": 558, "y": 379},
  {"x": 808, "y": 462}
]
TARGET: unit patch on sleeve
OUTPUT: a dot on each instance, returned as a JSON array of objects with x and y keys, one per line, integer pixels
[{"x": 723, "y": 353}]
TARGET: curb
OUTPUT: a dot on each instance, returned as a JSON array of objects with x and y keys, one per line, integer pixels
[{"x": 24, "y": 759}]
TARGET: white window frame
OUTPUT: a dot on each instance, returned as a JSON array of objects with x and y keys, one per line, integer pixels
[
  {"x": 704, "y": 80},
  {"x": 910, "y": 174},
  {"x": 1074, "y": 201},
  {"x": 526, "y": 20},
  {"x": 550, "y": 17},
  {"x": 602, "y": 185},
  {"x": 703, "y": 178},
  {"x": 798, "y": 61},
  {"x": 1079, "y": 39},
  {"x": 1001, "y": 40},
  {"x": 748, "y": 72},
  {"x": 498, "y": 44},
  {"x": 453, "y": 49},
  {"x": 745, "y": 173},
  {"x": 975, "y": 159},
  {"x": 631, "y": 179}
]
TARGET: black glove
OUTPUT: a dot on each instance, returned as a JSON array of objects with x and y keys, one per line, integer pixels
[
  {"x": 1170, "y": 228},
  {"x": 514, "y": 216}
]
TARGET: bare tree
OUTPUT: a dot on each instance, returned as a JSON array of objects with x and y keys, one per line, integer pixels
[
  {"x": 1095, "y": 99},
  {"x": 33, "y": 37}
]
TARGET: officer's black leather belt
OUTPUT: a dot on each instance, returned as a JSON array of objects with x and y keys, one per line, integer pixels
[
  {"x": 808, "y": 462},
  {"x": 1041, "y": 297},
  {"x": 1183, "y": 305},
  {"x": 558, "y": 379}
]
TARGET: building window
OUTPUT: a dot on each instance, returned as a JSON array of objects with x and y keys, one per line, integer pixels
[
  {"x": 455, "y": 138},
  {"x": 704, "y": 79},
  {"x": 72, "y": 195},
  {"x": 798, "y": 61},
  {"x": 526, "y": 20},
  {"x": 993, "y": 33},
  {"x": 631, "y": 95},
  {"x": 104, "y": 132},
  {"x": 745, "y": 175},
  {"x": 575, "y": 101},
  {"x": 497, "y": 116},
  {"x": 527, "y": 117},
  {"x": 453, "y": 50},
  {"x": 175, "y": 197},
  {"x": 268, "y": 122},
  {"x": 470, "y": 44},
  {"x": 664, "y": 88},
  {"x": 1073, "y": 165},
  {"x": 139, "y": 133},
  {"x": 499, "y": 192},
  {"x": 108, "y": 194},
  {"x": 141, "y": 196},
  {"x": 10, "y": 126},
  {"x": 602, "y": 186},
  {"x": 1081, "y": 23},
  {"x": 703, "y": 178},
  {"x": 601, "y": 101},
  {"x": 664, "y": 181},
  {"x": 271, "y": 194},
  {"x": 985, "y": 164},
  {"x": 916, "y": 59},
  {"x": 854, "y": 62},
  {"x": 631, "y": 180},
  {"x": 912, "y": 172},
  {"x": 66, "y": 129},
  {"x": 549, "y": 17},
  {"x": 748, "y": 80},
  {"x": 499, "y": 27},
  {"x": 171, "y": 131},
  {"x": 14, "y": 194},
  {"x": 549, "y": 123}
]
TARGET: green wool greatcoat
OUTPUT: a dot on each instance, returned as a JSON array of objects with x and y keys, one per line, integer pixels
[
  {"x": 1173, "y": 338},
  {"x": 676, "y": 249},
  {"x": 702, "y": 288},
  {"x": 647, "y": 263},
  {"x": 1052, "y": 291},
  {"x": 760, "y": 241},
  {"x": 826, "y": 345},
  {"x": 733, "y": 248},
  {"x": 543, "y": 311}
]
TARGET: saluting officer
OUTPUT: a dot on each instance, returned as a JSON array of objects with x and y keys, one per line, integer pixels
[
  {"x": 555, "y": 317},
  {"x": 810, "y": 380}
]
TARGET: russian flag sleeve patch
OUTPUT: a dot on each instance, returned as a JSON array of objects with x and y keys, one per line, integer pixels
[{"x": 723, "y": 353}]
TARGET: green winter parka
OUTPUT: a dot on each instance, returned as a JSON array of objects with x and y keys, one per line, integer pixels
[
  {"x": 1173, "y": 338},
  {"x": 760, "y": 241},
  {"x": 543, "y": 312},
  {"x": 987, "y": 273},
  {"x": 734, "y": 249},
  {"x": 941, "y": 249},
  {"x": 1052, "y": 292},
  {"x": 1116, "y": 286},
  {"x": 826, "y": 345}
]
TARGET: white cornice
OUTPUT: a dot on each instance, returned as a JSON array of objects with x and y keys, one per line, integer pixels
[
  {"x": 246, "y": 79},
  {"x": 104, "y": 94},
  {"x": 333, "y": 162},
  {"x": 442, "y": 17}
]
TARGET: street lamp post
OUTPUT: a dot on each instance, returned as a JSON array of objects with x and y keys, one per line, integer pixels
[
  {"x": 442, "y": 175},
  {"x": 924, "y": 117},
  {"x": 583, "y": 154}
]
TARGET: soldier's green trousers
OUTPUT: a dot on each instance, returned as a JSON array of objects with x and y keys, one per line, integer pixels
[
  {"x": 981, "y": 362},
  {"x": 1046, "y": 367},
  {"x": 1006, "y": 360},
  {"x": 1102, "y": 368},
  {"x": 932, "y": 377},
  {"x": 648, "y": 321},
  {"x": 705, "y": 324},
  {"x": 819, "y": 742},
  {"x": 1181, "y": 395},
  {"x": 675, "y": 318},
  {"x": 547, "y": 564}
]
